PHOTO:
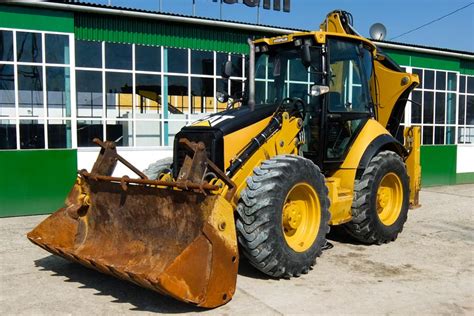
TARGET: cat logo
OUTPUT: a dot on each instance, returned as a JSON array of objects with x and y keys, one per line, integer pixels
[{"x": 212, "y": 120}]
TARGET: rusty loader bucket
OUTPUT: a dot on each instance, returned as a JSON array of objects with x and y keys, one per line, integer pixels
[{"x": 172, "y": 237}]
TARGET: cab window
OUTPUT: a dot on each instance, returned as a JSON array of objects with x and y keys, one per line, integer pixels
[{"x": 350, "y": 71}]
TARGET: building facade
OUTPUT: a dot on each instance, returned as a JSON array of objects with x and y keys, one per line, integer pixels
[{"x": 72, "y": 72}]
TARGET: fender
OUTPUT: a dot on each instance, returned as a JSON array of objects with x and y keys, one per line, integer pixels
[{"x": 382, "y": 142}]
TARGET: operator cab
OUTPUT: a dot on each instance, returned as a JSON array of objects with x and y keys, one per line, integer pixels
[{"x": 333, "y": 81}]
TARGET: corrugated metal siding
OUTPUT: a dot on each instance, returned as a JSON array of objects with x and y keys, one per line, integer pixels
[
  {"x": 423, "y": 60},
  {"x": 148, "y": 32}
]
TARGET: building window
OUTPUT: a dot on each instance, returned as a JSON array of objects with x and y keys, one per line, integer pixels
[
  {"x": 6, "y": 38},
  {"x": 88, "y": 54},
  {"x": 87, "y": 130},
  {"x": 202, "y": 63},
  {"x": 58, "y": 95},
  {"x": 148, "y": 58},
  {"x": 7, "y": 134},
  {"x": 89, "y": 94},
  {"x": 438, "y": 93},
  {"x": 29, "y": 47},
  {"x": 118, "y": 94},
  {"x": 177, "y": 60},
  {"x": 7, "y": 91},
  {"x": 147, "y": 96},
  {"x": 118, "y": 56},
  {"x": 466, "y": 110},
  {"x": 202, "y": 95},
  {"x": 59, "y": 133},
  {"x": 30, "y": 91},
  {"x": 38, "y": 113},
  {"x": 143, "y": 95},
  {"x": 32, "y": 134},
  {"x": 57, "y": 49}
]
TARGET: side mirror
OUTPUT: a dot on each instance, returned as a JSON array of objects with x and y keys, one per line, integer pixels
[
  {"x": 222, "y": 97},
  {"x": 226, "y": 69},
  {"x": 306, "y": 55},
  {"x": 317, "y": 90}
]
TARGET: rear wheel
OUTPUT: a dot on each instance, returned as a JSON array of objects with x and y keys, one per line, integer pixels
[
  {"x": 283, "y": 216},
  {"x": 381, "y": 198}
]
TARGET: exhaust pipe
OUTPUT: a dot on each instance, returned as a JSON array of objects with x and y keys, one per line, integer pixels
[{"x": 251, "y": 77}]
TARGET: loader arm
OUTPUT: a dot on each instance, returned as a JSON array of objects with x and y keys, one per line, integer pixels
[{"x": 283, "y": 130}]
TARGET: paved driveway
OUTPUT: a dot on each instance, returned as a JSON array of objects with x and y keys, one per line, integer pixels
[{"x": 429, "y": 269}]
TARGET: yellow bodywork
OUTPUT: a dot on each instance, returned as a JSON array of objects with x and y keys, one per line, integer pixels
[
  {"x": 413, "y": 143},
  {"x": 178, "y": 236},
  {"x": 341, "y": 183},
  {"x": 284, "y": 141}
]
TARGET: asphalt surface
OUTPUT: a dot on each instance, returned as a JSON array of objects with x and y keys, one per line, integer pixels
[{"x": 429, "y": 269}]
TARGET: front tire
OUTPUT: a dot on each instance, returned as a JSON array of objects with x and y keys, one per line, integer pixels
[
  {"x": 155, "y": 169},
  {"x": 283, "y": 216},
  {"x": 381, "y": 200}
]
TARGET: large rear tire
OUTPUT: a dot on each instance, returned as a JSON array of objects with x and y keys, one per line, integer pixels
[
  {"x": 283, "y": 216},
  {"x": 381, "y": 200}
]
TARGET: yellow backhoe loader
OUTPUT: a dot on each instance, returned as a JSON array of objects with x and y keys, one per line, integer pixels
[{"x": 316, "y": 141}]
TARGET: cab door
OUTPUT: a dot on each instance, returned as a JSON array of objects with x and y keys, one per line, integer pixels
[{"x": 348, "y": 103}]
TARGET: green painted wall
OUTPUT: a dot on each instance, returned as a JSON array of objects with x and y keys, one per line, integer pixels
[
  {"x": 438, "y": 165},
  {"x": 463, "y": 178},
  {"x": 35, "y": 181},
  {"x": 36, "y": 19},
  {"x": 151, "y": 32},
  {"x": 409, "y": 58}
]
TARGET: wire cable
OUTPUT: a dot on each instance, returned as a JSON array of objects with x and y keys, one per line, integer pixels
[{"x": 433, "y": 21}]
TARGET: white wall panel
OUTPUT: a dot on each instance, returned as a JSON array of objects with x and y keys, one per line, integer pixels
[
  {"x": 139, "y": 158},
  {"x": 465, "y": 158}
]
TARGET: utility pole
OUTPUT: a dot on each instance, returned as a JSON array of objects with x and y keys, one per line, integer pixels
[
  {"x": 220, "y": 10},
  {"x": 194, "y": 7},
  {"x": 160, "y": 8},
  {"x": 258, "y": 12}
]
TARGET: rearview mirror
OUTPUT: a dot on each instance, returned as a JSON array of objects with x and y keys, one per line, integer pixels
[
  {"x": 306, "y": 55},
  {"x": 222, "y": 97},
  {"x": 226, "y": 69},
  {"x": 317, "y": 90}
]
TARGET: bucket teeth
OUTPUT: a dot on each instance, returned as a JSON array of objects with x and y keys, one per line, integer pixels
[{"x": 165, "y": 240}]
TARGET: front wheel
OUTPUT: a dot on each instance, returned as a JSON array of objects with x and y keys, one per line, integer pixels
[
  {"x": 381, "y": 200},
  {"x": 283, "y": 216},
  {"x": 159, "y": 167}
]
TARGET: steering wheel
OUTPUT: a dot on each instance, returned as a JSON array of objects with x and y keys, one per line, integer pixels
[{"x": 294, "y": 103}]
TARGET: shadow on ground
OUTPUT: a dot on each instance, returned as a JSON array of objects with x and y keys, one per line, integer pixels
[
  {"x": 338, "y": 234},
  {"x": 143, "y": 299},
  {"x": 124, "y": 292}
]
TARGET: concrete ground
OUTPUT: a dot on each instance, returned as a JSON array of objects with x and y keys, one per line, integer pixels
[{"x": 428, "y": 270}]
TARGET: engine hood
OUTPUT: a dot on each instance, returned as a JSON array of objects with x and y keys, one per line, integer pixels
[{"x": 231, "y": 120}]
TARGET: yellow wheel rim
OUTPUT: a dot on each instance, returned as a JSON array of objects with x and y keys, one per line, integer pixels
[
  {"x": 301, "y": 217},
  {"x": 389, "y": 199}
]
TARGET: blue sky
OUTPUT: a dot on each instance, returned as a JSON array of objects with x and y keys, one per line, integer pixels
[{"x": 453, "y": 32}]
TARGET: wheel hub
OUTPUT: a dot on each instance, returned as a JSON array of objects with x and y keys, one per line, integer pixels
[
  {"x": 301, "y": 217},
  {"x": 292, "y": 216},
  {"x": 389, "y": 198},
  {"x": 384, "y": 196}
]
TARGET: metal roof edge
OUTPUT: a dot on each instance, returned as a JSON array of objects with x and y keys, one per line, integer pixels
[
  {"x": 90, "y": 8},
  {"x": 425, "y": 50},
  {"x": 156, "y": 16}
]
